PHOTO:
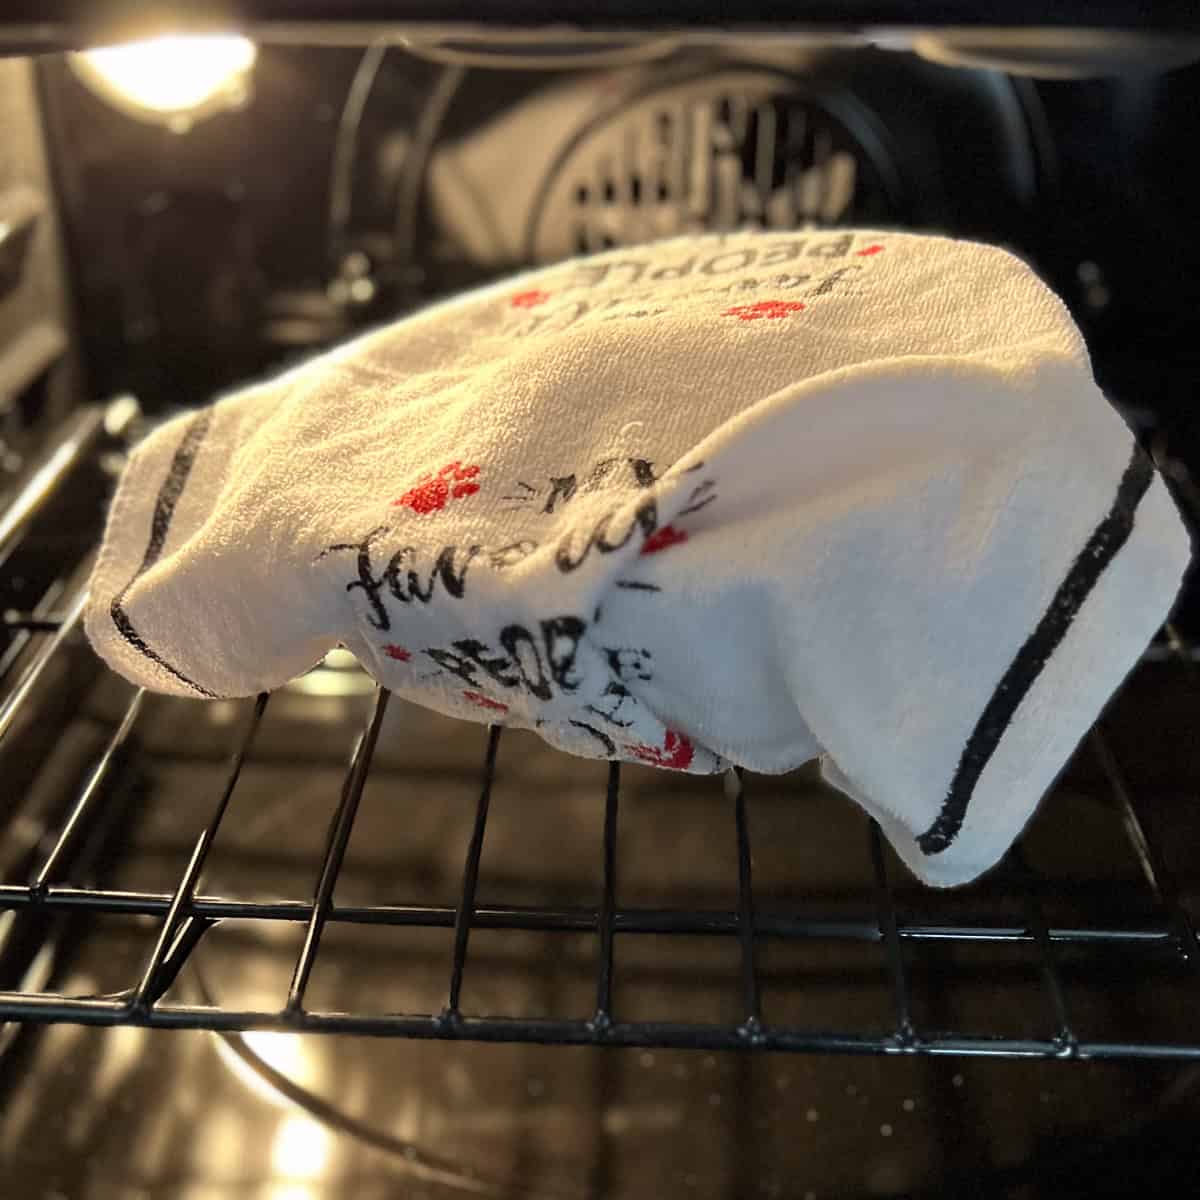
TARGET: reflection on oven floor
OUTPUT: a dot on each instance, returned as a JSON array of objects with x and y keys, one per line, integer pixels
[{"x": 124, "y": 1114}]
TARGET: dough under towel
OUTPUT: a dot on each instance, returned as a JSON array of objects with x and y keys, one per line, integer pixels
[{"x": 747, "y": 499}]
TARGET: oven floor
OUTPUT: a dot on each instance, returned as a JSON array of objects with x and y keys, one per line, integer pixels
[{"x": 130, "y": 1115}]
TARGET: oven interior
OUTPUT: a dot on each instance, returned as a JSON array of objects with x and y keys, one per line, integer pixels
[{"x": 542, "y": 976}]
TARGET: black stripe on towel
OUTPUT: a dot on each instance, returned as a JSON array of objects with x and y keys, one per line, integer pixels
[
  {"x": 160, "y": 525},
  {"x": 1107, "y": 539}
]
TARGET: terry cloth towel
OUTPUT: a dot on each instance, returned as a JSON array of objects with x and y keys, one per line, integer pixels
[{"x": 746, "y": 499}]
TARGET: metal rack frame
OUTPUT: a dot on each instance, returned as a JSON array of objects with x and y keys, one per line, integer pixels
[{"x": 186, "y": 914}]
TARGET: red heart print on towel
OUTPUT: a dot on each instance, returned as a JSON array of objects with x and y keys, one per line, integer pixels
[
  {"x": 482, "y": 701},
  {"x": 662, "y": 539},
  {"x": 676, "y": 753},
  {"x": 434, "y": 491},
  {"x": 868, "y": 251},
  {"x": 770, "y": 309},
  {"x": 529, "y": 299},
  {"x": 397, "y": 652}
]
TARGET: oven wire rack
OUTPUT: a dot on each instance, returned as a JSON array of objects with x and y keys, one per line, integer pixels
[{"x": 186, "y": 914}]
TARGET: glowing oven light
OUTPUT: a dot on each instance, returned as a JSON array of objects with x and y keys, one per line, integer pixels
[{"x": 174, "y": 79}]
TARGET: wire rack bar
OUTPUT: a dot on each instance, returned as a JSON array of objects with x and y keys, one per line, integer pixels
[
  {"x": 335, "y": 851},
  {"x": 19, "y": 639},
  {"x": 150, "y": 987},
  {"x": 570, "y": 920},
  {"x": 608, "y": 901},
  {"x": 91, "y": 790},
  {"x": 889, "y": 931},
  {"x": 1064, "y": 1036},
  {"x": 1154, "y": 868},
  {"x": 658, "y": 1034},
  {"x": 69, "y": 444},
  {"x": 751, "y": 1007},
  {"x": 27, "y": 622},
  {"x": 39, "y": 662},
  {"x": 187, "y": 937},
  {"x": 465, "y": 915}
]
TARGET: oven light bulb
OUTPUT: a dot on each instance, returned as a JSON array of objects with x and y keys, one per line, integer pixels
[{"x": 172, "y": 79}]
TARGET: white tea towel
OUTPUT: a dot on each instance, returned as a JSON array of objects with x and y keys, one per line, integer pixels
[{"x": 745, "y": 499}]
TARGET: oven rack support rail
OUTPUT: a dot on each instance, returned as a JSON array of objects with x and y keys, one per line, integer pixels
[{"x": 187, "y": 913}]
